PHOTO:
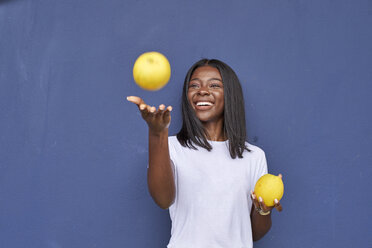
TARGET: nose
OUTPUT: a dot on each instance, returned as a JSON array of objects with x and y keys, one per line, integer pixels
[{"x": 203, "y": 91}]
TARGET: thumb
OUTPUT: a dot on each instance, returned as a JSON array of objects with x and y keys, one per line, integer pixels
[{"x": 135, "y": 99}]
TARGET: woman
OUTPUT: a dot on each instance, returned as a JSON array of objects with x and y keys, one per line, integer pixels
[{"x": 205, "y": 174}]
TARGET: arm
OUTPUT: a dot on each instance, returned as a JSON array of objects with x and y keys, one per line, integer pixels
[
  {"x": 160, "y": 174},
  {"x": 261, "y": 224}
]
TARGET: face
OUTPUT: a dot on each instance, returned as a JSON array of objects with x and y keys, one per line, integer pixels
[{"x": 206, "y": 94}]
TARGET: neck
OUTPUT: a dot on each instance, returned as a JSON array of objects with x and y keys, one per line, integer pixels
[{"x": 215, "y": 130}]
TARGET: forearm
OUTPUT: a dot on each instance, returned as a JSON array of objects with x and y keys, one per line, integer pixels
[
  {"x": 160, "y": 175},
  {"x": 261, "y": 224}
]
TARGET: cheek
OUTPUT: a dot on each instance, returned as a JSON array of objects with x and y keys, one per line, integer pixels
[
  {"x": 189, "y": 98},
  {"x": 221, "y": 99}
]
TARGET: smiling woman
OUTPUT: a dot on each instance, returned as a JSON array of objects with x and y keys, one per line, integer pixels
[
  {"x": 206, "y": 174},
  {"x": 213, "y": 79}
]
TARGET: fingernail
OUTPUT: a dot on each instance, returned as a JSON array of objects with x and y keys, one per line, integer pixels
[
  {"x": 260, "y": 199},
  {"x": 276, "y": 201},
  {"x": 128, "y": 98},
  {"x": 170, "y": 108},
  {"x": 253, "y": 196}
]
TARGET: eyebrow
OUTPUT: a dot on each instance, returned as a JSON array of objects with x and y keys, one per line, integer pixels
[{"x": 211, "y": 79}]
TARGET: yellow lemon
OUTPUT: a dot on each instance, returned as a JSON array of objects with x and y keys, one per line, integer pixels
[
  {"x": 151, "y": 71},
  {"x": 269, "y": 187}
]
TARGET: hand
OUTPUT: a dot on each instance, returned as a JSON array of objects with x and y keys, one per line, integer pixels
[
  {"x": 157, "y": 120},
  {"x": 259, "y": 204}
]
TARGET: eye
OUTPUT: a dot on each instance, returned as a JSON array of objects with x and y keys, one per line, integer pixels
[
  {"x": 215, "y": 85},
  {"x": 194, "y": 85}
]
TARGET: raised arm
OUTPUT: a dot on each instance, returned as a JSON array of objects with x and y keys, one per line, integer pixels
[{"x": 160, "y": 179}]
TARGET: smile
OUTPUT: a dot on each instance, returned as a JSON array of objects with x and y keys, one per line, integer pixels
[{"x": 204, "y": 104}]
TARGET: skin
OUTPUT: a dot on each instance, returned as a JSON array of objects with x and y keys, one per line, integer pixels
[
  {"x": 205, "y": 86},
  {"x": 160, "y": 179}
]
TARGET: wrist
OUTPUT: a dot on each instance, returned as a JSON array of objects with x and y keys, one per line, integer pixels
[
  {"x": 262, "y": 212},
  {"x": 158, "y": 133}
]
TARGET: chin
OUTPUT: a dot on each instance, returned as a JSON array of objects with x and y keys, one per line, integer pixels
[
  {"x": 203, "y": 117},
  {"x": 207, "y": 118}
]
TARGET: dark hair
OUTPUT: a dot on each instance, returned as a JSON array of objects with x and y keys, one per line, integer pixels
[{"x": 193, "y": 132}]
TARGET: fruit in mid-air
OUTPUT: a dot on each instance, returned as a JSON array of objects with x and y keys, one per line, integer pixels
[
  {"x": 269, "y": 187},
  {"x": 151, "y": 71}
]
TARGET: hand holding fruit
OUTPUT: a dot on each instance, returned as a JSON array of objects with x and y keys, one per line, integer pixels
[
  {"x": 268, "y": 192},
  {"x": 157, "y": 120}
]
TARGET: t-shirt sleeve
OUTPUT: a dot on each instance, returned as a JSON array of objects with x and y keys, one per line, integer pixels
[
  {"x": 172, "y": 155},
  {"x": 261, "y": 167}
]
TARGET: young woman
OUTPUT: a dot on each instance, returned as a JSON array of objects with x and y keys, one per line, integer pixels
[{"x": 206, "y": 174}]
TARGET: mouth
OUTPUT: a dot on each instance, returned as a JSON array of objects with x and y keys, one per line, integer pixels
[{"x": 203, "y": 105}]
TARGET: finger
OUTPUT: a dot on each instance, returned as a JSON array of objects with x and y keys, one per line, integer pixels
[
  {"x": 135, "y": 99},
  {"x": 142, "y": 107},
  {"x": 166, "y": 116},
  {"x": 167, "y": 112},
  {"x": 278, "y": 206},
  {"x": 281, "y": 176},
  {"x": 263, "y": 205},
  {"x": 152, "y": 109},
  {"x": 254, "y": 200},
  {"x": 161, "y": 107},
  {"x": 146, "y": 112},
  {"x": 160, "y": 111}
]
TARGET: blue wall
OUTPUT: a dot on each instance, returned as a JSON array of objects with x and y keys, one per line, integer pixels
[{"x": 73, "y": 151}]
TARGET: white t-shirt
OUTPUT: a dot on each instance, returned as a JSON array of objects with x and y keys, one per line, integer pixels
[{"x": 212, "y": 204}]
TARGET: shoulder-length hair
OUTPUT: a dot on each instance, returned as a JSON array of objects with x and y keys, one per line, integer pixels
[{"x": 193, "y": 133}]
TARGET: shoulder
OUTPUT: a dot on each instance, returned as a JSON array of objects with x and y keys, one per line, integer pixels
[
  {"x": 255, "y": 151},
  {"x": 173, "y": 143},
  {"x": 259, "y": 158},
  {"x": 173, "y": 140},
  {"x": 176, "y": 150}
]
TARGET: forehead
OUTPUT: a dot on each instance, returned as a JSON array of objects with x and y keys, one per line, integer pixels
[{"x": 206, "y": 72}]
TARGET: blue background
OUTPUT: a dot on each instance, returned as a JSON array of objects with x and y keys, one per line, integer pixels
[{"x": 73, "y": 151}]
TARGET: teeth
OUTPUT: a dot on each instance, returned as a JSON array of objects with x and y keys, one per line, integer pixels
[{"x": 204, "y": 104}]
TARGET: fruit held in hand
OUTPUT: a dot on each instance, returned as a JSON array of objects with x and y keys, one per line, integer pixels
[
  {"x": 151, "y": 71},
  {"x": 269, "y": 187}
]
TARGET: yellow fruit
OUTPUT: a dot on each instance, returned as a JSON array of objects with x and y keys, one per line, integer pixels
[
  {"x": 269, "y": 187},
  {"x": 151, "y": 71}
]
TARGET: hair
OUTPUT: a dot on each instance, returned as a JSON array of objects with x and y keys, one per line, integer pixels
[{"x": 193, "y": 132}]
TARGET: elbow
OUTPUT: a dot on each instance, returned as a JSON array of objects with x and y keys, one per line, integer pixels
[
  {"x": 257, "y": 236},
  {"x": 164, "y": 198},
  {"x": 164, "y": 204},
  {"x": 163, "y": 201}
]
